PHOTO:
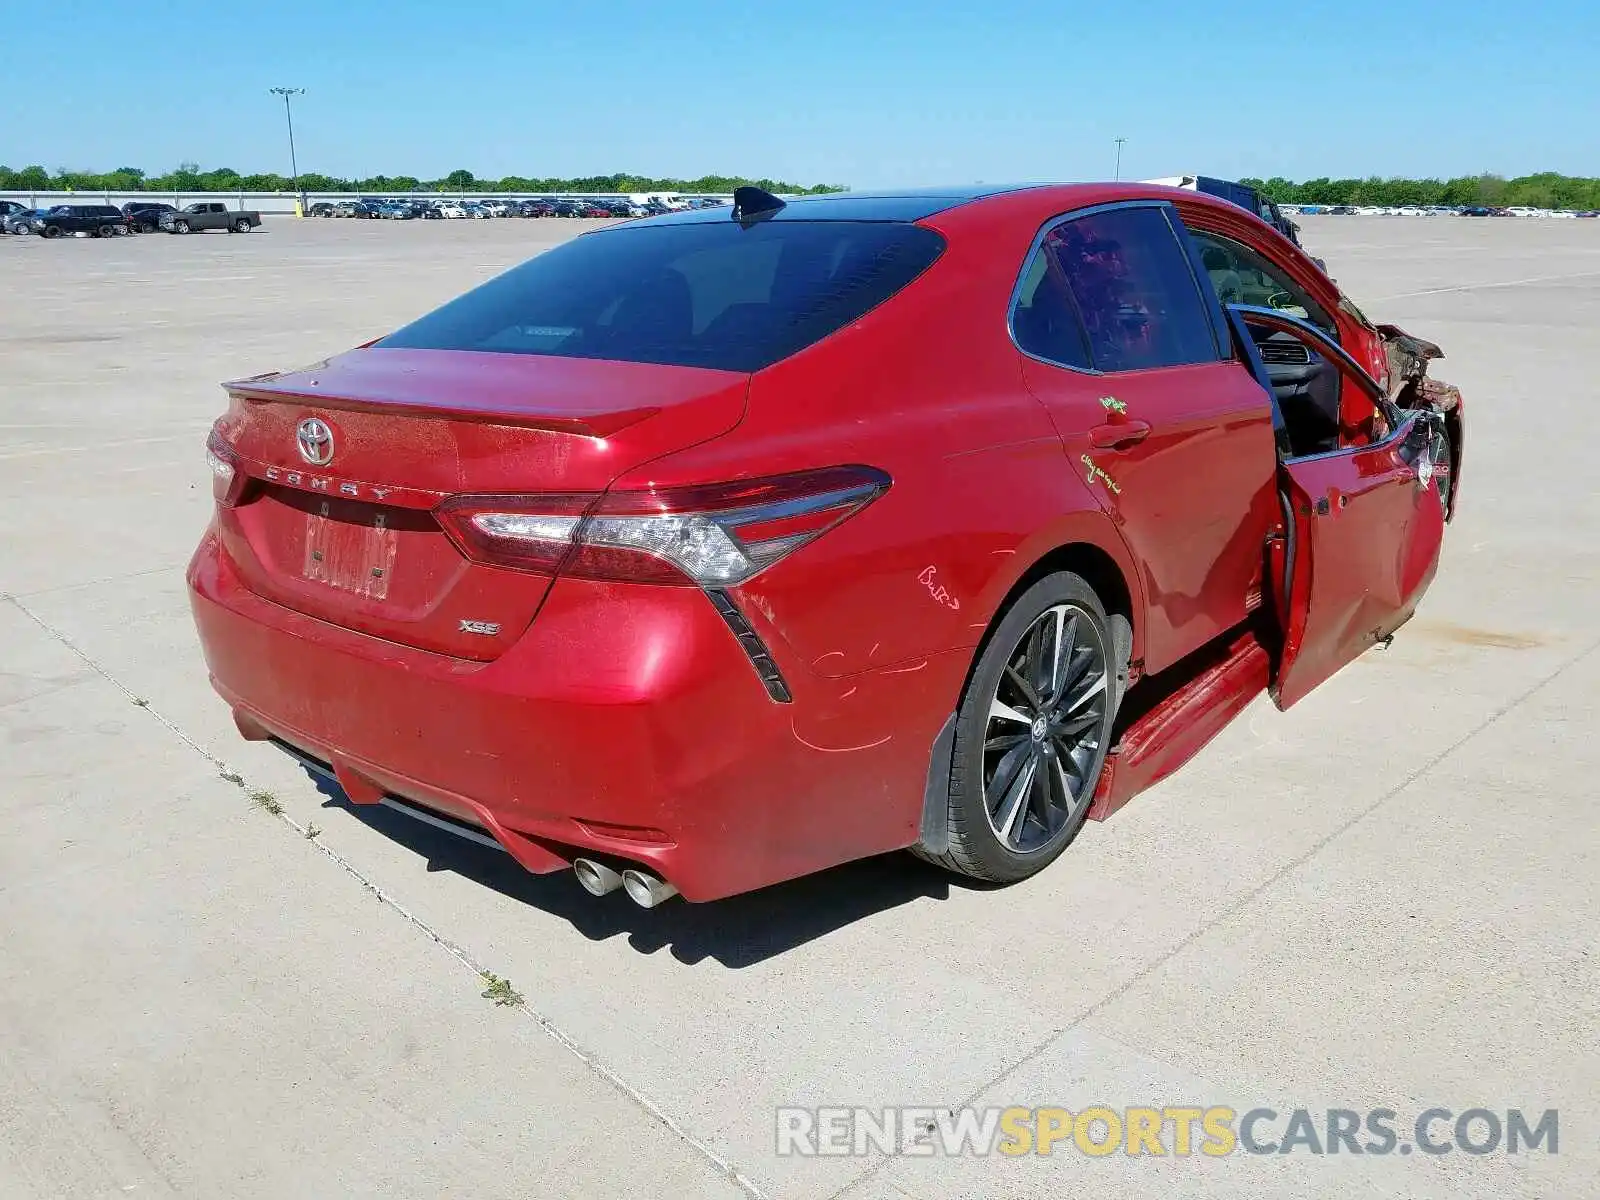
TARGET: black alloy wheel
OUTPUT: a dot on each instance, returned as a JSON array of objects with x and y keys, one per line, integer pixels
[
  {"x": 1032, "y": 732},
  {"x": 1045, "y": 735}
]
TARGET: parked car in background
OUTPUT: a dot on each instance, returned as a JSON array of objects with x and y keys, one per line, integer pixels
[
  {"x": 205, "y": 215},
  {"x": 144, "y": 216},
  {"x": 506, "y": 566},
  {"x": 321, "y": 209},
  {"x": 566, "y": 208},
  {"x": 9, "y": 209},
  {"x": 17, "y": 220},
  {"x": 452, "y": 211},
  {"x": 97, "y": 220},
  {"x": 592, "y": 209},
  {"x": 538, "y": 208}
]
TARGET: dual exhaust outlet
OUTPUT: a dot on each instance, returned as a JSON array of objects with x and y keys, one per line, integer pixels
[{"x": 644, "y": 889}]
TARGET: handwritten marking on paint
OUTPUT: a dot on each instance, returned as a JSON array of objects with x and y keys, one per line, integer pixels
[
  {"x": 1112, "y": 404},
  {"x": 1096, "y": 473},
  {"x": 929, "y": 580}
]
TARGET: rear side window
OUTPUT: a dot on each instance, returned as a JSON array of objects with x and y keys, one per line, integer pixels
[
  {"x": 1124, "y": 280},
  {"x": 702, "y": 295}
]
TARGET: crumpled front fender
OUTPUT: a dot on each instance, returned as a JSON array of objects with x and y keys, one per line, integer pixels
[{"x": 1410, "y": 387}]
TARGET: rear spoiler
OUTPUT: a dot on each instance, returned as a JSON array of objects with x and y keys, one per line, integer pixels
[{"x": 260, "y": 390}]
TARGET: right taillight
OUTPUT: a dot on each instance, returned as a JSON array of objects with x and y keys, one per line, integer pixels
[{"x": 714, "y": 535}]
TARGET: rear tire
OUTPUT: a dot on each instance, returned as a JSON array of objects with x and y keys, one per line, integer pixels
[
  {"x": 106, "y": 231},
  {"x": 1032, "y": 733}
]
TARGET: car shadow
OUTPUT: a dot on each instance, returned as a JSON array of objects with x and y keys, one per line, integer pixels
[{"x": 737, "y": 932}]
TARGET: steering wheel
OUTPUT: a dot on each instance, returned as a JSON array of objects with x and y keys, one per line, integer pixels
[{"x": 1285, "y": 302}]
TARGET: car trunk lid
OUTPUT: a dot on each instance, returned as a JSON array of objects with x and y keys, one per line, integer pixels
[{"x": 340, "y": 466}]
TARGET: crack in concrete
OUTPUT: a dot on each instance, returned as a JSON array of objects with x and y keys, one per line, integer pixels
[
  {"x": 1246, "y": 900},
  {"x": 1479, "y": 287},
  {"x": 724, "y": 1167},
  {"x": 175, "y": 568}
]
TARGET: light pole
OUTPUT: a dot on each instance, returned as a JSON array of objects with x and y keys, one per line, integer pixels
[
  {"x": 1118, "y": 175},
  {"x": 288, "y": 116}
]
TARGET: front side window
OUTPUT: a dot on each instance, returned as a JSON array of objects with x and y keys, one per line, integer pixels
[
  {"x": 1242, "y": 276},
  {"x": 716, "y": 295},
  {"x": 1125, "y": 278}
]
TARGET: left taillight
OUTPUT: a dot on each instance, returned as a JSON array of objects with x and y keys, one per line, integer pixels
[
  {"x": 714, "y": 535},
  {"x": 226, "y": 478}
]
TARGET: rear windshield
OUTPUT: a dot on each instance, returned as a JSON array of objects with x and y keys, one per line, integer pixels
[{"x": 705, "y": 295}]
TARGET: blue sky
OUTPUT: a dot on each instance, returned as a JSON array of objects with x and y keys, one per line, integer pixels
[{"x": 818, "y": 91}]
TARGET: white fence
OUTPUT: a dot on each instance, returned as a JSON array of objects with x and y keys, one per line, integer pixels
[{"x": 283, "y": 202}]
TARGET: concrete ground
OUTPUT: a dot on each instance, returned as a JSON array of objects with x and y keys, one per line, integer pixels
[{"x": 1384, "y": 898}]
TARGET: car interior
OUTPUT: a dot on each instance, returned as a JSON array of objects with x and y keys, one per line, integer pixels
[{"x": 1308, "y": 386}]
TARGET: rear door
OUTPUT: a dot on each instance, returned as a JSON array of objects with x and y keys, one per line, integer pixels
[
  {"x": 1363, "y": 524},
  {"x": 1122, "y": 347}
]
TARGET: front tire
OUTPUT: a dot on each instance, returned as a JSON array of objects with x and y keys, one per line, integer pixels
[
  {"x": 180, "y": 227},
  {"x": 1032, "y": 733}
]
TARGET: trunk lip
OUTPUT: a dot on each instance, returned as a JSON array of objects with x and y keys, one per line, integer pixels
[
  {"x": 590, "y": 427},
  {"x": 356, "y": 382}
]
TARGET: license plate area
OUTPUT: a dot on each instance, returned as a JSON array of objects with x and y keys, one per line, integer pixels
[{"x": 353, "y": 556}]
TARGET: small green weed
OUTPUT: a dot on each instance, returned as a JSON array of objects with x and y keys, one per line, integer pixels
[{"x": 500, "y": 991}]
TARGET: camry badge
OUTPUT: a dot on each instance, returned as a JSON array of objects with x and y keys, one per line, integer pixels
[{"x": 315, "y": 441}]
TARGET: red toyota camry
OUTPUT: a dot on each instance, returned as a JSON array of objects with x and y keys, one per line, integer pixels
[{"x": 706, "y": 551}]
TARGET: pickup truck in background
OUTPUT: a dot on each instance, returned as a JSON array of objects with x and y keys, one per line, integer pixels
[
  {"x": 1245, "y": 196},
  {"x": 209, "y": 214}
]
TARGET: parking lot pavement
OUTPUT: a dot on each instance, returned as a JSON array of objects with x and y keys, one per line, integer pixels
[{"x": 1382, "y": 899}]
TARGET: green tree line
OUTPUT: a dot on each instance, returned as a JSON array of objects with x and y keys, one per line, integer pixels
[
  {"x": 188, "y": 177},
  {"x": 1545, "y": 190}
]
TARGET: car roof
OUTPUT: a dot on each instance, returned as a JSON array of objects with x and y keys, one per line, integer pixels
[
  {"x": 911, "y": 204},
  {"x": 918, "y": 204}
]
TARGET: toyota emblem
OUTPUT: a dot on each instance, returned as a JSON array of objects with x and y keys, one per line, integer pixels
[{"x": 315, "y": 440}]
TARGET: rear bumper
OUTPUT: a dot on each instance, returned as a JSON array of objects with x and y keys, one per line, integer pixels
[{"x": 625, "y": 722}]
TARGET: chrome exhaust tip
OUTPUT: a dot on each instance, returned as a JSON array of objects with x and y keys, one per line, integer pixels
[
  {"x": 597, "y": 878},
  {"x": 645, "y": 890}
]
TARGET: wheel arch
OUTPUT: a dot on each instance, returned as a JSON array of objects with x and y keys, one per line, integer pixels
[
  {"x": 1108, "y": 571},
  {"x": 1111, "y": 576}
]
